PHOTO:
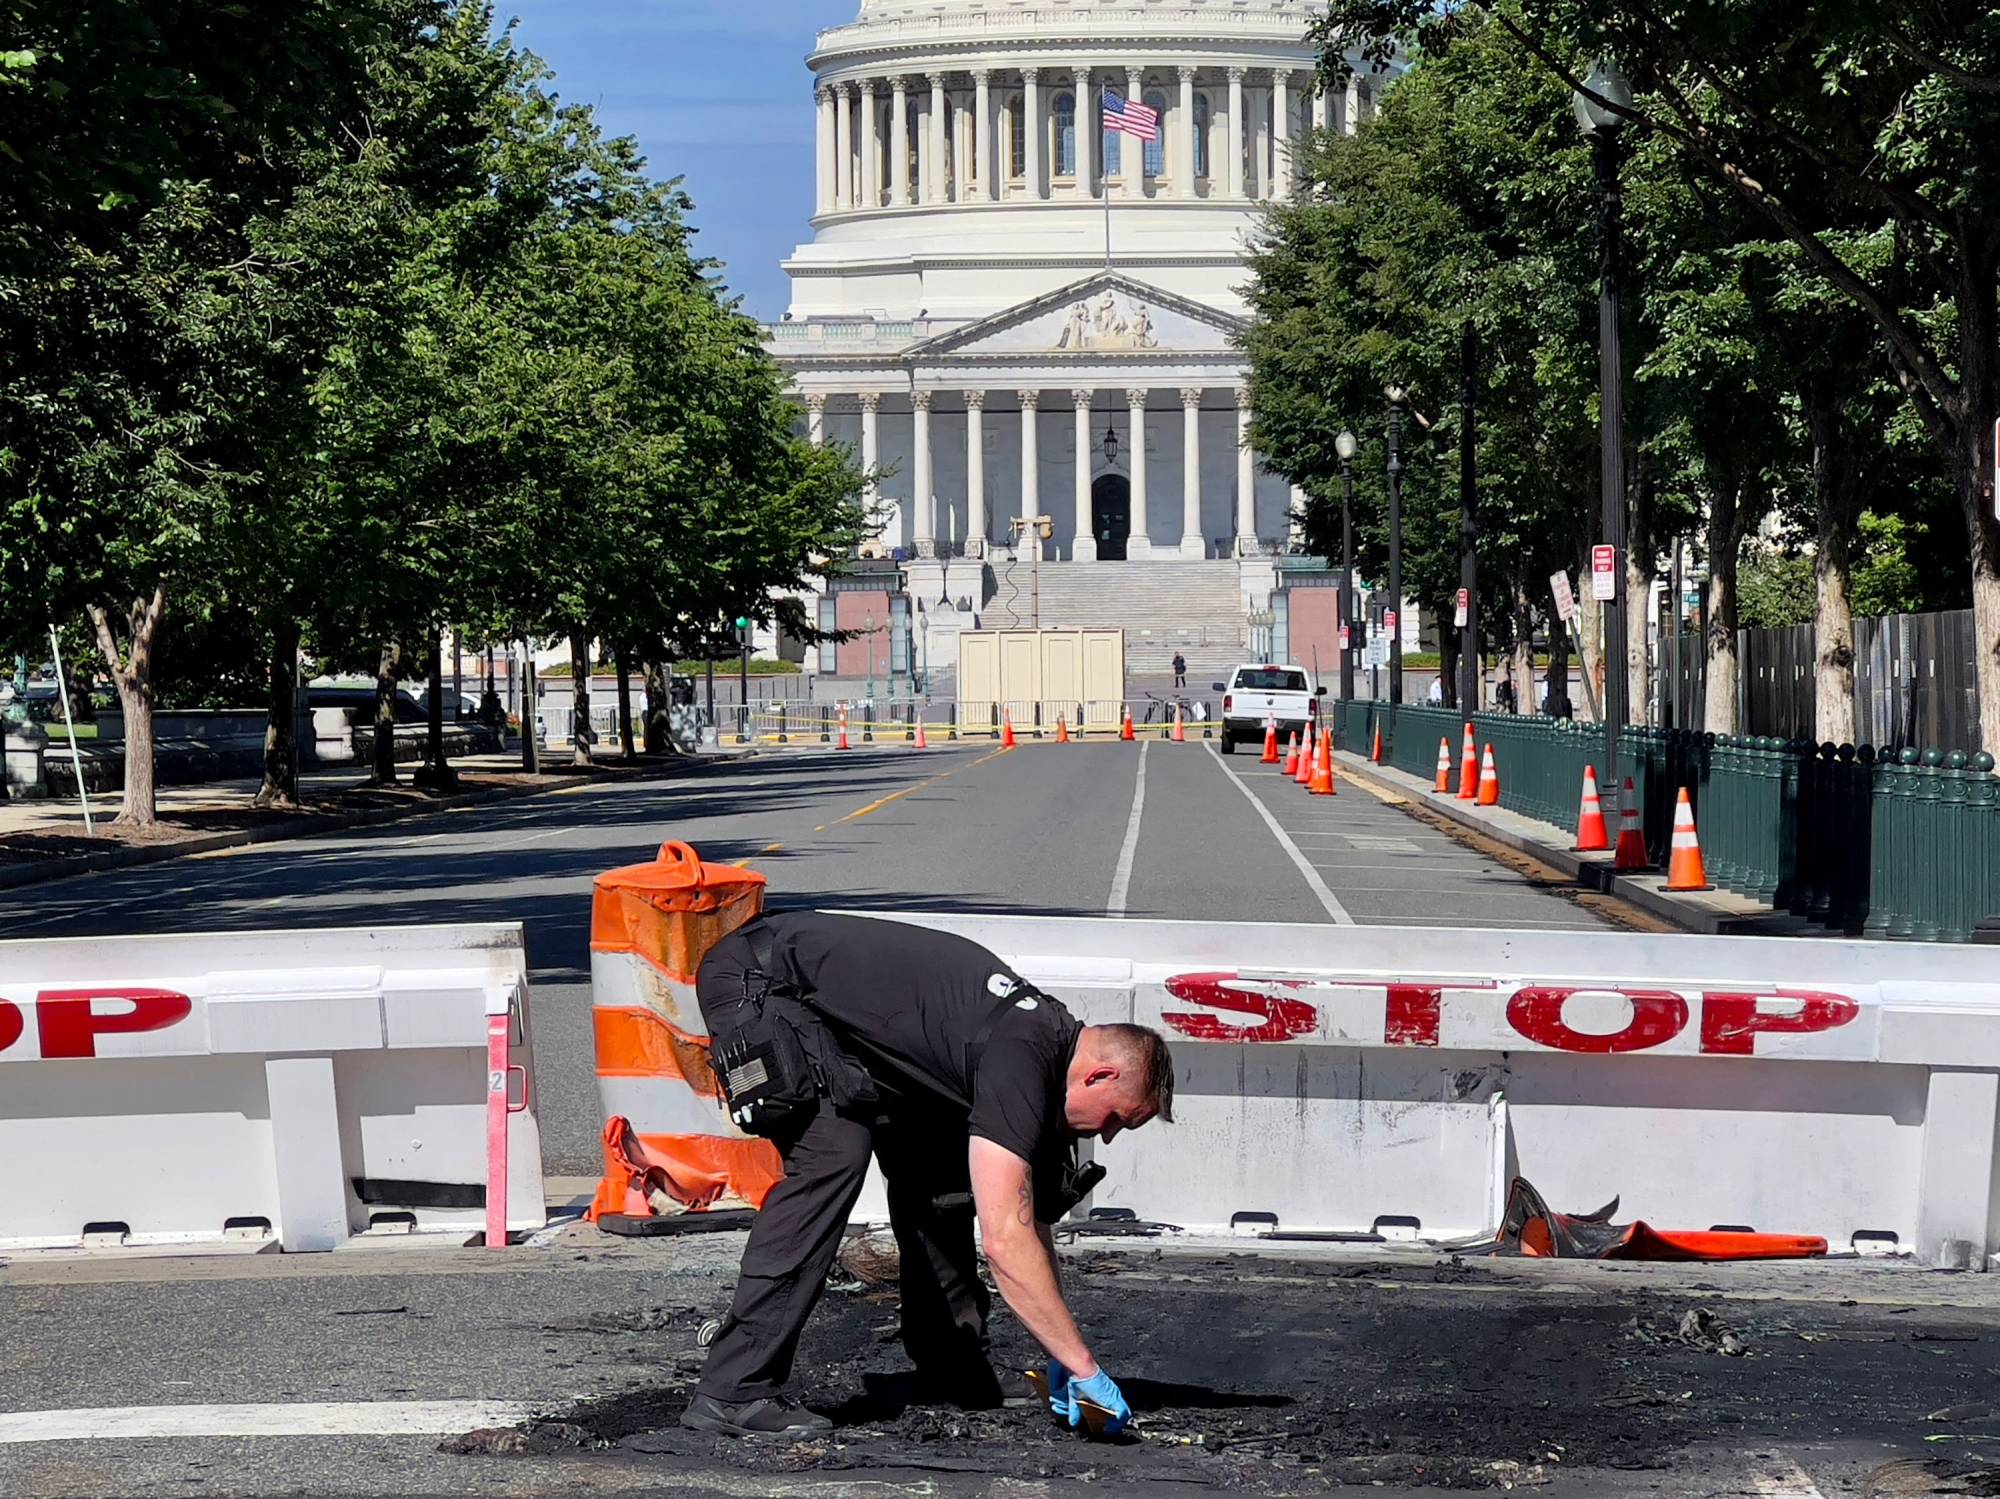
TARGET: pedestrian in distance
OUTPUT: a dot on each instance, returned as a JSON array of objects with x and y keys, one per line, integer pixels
[
  {"x": 1180, "y": 670},
  {"x": 1436, "y": 695},
  {"x": 838, "y": 1037}
]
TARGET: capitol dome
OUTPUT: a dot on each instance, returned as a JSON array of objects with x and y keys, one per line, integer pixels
[{"x": 1021, "y": 294}]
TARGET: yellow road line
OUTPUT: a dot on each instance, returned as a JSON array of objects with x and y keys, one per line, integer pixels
[
  {"x": 943, "y": 775},
  {"x": 769, "y": 848}
]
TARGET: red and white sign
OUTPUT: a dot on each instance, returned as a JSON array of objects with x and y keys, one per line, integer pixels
[
  {"x": 1587, "y": 1018},
  {"x": 1389, "y": 623},
  {"x": 1604, "y": 574},
  {"x": 1565, "y": 600},
  {"x": 1464, "y": 607},
  {"x": 1343, "y": 637}
]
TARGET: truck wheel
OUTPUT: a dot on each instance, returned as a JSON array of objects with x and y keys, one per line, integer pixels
[{"x": 1228, "y": 744}]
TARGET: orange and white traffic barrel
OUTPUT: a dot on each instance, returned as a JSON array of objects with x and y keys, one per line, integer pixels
[{"x": 665, "y": 1129}]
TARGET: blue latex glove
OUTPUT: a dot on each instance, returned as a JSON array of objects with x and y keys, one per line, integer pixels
[
  {"x": 1100, "y": 1390},
  {"x": 1059, "y": 1403}
]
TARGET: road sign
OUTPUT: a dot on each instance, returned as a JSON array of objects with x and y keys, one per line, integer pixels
[
  {"x": 1604, "y": 573},
  {"x": 1343, "y": 637},
  {"x": 1565, "y": 600},
  {"x": 1389, "y": 621},
  {"x": 1464, "y": 607}
]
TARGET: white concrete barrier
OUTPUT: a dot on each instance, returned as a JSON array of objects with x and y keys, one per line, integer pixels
[
  {"x": 295, "y": 1085},
  {"x": 1389, "y": 1079}
]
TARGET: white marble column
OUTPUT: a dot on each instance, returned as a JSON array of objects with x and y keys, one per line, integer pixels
[
  {"x": 985, "y": 136},
  {"x": 961, "y": 149},
  {"x": 1234, "y": 176},
  {"x": 823, "y": 159},
  {"x": 923, "y": 478},
  {"x": 816, "y": 420},
  {"x": 899, "y": 142},
  {"x": 1321, "y": 110},
  {"x": 1089, "y": 143},
  {"x": 1295, "y": 529},
  {"x": 1281, "y": 134},
  {"x": 975, "y": 473},
  {"x": 1246, "y": 481},
  {"x": 934, "y": 184},
  {"x": 1083, "y": 540},
  {"x": 1132, "y": 150},
  {"x": 1031, "y": 118},
  {"x": 1352, "y": 121},
  {"x": 843, "y": 146},
  {"x": 1259, "y": 126},
  {"x": 1193, "y": 548},
  {"x": 869, "y": 134},
  {"x": 871, "y": 493},
  {"x": 1140, "y": 543},
  {"x": 1184, "y": 170},
  {"x": 1031, "y": 473}
]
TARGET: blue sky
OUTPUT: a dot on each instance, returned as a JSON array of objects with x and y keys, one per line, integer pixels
[{"x": 717, "y": 92}]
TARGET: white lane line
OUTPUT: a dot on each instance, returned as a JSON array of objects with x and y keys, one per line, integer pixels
[
  {"x": 344, "y": 1418},
  {"x": 1121, "y": 881},
  {"x": 1781, "y": 1478},
  {"x": 1334, "y": 909}
]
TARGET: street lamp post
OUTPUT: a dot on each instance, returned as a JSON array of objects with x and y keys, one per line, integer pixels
[
  {"x": 1345, "y": 446},
  {"x": 1396, "y": 397},
  {"x": 1468, "y": 527},
  {"x": 1599, "y": 112}
]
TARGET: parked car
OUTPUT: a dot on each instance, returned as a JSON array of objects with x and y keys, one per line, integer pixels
[{"x": 1258, "y": 693}]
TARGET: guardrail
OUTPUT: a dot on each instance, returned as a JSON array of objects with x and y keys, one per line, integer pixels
[
  {"x": 1902, "y": 844},
  {"x": 895, "y": 720}
]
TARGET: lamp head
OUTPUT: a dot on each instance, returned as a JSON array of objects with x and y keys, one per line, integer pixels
[
  {"x": 1346, "y": 446},
  {"x": 1396, "y": 394},
  {"x": 1608, "y": 83}
]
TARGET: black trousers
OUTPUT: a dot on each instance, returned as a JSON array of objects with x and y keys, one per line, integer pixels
[{"x": 793, "y": 1241}]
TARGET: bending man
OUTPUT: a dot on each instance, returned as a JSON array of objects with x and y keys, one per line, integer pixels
[{"x": 970, "y": 1087}]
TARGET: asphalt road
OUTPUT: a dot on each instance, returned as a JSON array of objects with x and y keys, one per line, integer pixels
[{"x": 1041, "y": 829}]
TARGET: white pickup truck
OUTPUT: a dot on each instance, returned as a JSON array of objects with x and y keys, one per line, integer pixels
[{"x": 1256, "y": 694}]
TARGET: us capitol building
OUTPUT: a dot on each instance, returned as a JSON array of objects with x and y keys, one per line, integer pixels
[{"x": 1014, "y": 313}]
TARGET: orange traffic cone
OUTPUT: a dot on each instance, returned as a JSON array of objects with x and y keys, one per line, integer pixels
[
  {"x": 843, "y": 728},
  {"x": 1180, "y": 729},
  {"x": 1631, "y": 851},
  {"x": 1062, "y": 730},
  {"x": 1684, "y": 867},
  {"x": 1291, "y": 765},
  {"x": 1006, "y": 729},
  {"x": 1375, "y": 750},
  {"x": 923, "y": 739},
  {"x": 1592, "y": 837},
  {"x": 1488, "y": 794},
  {"x": 1322, "y": 781},
  {"x": 1126, "y": 733},
  {"x": 1468, "y": 769},
  {"x": 1444, "y": 765},
  {"x": 1270, "y": 741},
  {"x": 1304, "y": 774}
]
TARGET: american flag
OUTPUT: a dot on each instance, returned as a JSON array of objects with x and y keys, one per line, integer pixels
[{"x": 1131, "y": 117}]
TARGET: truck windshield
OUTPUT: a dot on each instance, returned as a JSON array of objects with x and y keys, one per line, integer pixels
[{"x": 1270, "y": 679}]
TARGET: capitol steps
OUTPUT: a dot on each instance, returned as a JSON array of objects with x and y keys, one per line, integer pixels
[{"x": 1195, "y": 608}]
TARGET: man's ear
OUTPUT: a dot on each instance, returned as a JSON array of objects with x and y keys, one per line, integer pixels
[{"x": 1103, "y": 1072}]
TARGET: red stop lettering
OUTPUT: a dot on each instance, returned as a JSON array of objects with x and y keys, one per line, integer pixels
[
  {"x": 1657, "y": 1015},
  {"x": 1283, "y": 1018},
  {"x": 70, "y": 1026},
  {"x": 1730, "y": 1022},
  {"x": 11, "y": 1024}
]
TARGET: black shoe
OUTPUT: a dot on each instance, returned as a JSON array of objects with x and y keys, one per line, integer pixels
[
  {"x": 773, "y": 1417},
  {"x": 980, "y": 1388}
]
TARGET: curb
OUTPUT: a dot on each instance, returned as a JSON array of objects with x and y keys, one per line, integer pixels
[
  {"x": 302, "y": 827},
  {"x": 1643, "y": 894}
]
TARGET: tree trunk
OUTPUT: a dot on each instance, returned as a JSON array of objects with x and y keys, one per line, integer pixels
[
  {"x": 1641, "y": 552},
  {"x": 1558, "y": 691},
  {"x": 1590, "y": 622},
  {"x": 388, "y": 669},
  {"x": 531, "y": 719},
  {"x": 659, "y": 708},
  {"x": 437, "y": 774},
  {"x": 1448, "y": 663},
  {"x": 1725, "y": 543},
  {"x": 580, "y": 737},
  {"x": 1521, "y": 660},
  {"x": 1836, "y": 494},
  {"x": 281, "y": 727},
  {"x": 625, "y": 739},
  {"x": 133, "y": 676}
]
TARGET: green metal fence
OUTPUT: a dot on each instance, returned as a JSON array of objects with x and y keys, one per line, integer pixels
[{"x": 1904, "y": 844}]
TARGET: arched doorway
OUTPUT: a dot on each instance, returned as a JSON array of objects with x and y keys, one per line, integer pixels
[{"x": 1111, "y": 516}]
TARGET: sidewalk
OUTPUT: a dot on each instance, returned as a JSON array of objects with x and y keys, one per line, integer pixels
[
  {"x": 45, "y": 840},
  {"x": 1712, "y": 913}
]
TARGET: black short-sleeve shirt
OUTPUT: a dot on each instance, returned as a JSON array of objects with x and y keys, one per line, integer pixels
[{"x": 909, "y": 1001}]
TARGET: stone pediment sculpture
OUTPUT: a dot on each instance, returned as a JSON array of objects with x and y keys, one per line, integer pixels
[{"x": 1113, "y": 323}]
